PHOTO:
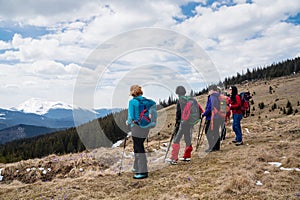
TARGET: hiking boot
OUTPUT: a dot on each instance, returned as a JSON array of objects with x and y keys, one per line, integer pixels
[
  {"x": 239, "y": 143},
  {"x": 140, "y": 176},
  {"x": 171, "y": 161}
]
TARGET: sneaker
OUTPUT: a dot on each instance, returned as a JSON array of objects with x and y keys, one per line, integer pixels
[
  {"x": 140, "y": 176},
  {"x": 239, "y": 143}
]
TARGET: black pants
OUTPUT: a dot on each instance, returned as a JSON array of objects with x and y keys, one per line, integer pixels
[
  {"x": 140, "y": 159},
  {"x": 213, "y": 135}
]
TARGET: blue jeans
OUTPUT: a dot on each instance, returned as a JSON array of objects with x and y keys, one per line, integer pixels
[{"x": 236, "y": 126}]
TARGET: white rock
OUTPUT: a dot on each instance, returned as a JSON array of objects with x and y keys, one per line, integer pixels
[
  {"x": 41, "y": 168},
  {"x": 81, "y": 170},
  {"x": 44, "y": 172},
  {"x": 266, "y": 172},
  {"x": 28, "y": 169}
]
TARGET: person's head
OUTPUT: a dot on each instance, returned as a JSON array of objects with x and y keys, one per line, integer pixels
[
  {"x": 136, "y": 90},
  {"x": 180, "y": 90},
  {"x": 212, "y": 89},
  {"x": 233, "y": 90}
]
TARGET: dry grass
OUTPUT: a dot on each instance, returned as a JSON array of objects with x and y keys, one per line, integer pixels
[{"x": 231, "y": 173}]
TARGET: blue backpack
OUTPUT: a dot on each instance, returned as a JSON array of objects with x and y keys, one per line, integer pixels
[{"x": 148, "y": 113}]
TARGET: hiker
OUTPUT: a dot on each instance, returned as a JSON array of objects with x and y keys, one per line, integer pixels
[
  {"x": 185, "y": 128},
  {"x": 237, "y": 115},
  {"x": 139, "y": 134},
  {"x": 213, "y": 119}
]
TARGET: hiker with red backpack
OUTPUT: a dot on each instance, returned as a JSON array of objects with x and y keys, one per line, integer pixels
[
  {"x": 237, "y": 115},
  {"x": 188, "y": 113},
  {"x": 214, "y": 117},
  {"x": 141, "y": 117}
]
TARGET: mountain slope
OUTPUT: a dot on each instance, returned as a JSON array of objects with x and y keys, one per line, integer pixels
[{"x": 232, "y": 173}]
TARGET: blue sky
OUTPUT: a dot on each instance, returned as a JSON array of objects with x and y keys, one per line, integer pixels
[{"x": 44, "y": 47}]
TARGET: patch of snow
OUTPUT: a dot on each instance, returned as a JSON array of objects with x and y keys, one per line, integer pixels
[
  {"x": 276, "y": 164},
  {"x": 41, "y": 168},
  {"x": 247, "y": 130},
  {"x": 1, "y": 177},
  {"x": 44, "y": 172},
  {"x": 28, "y": 170},
  {"x": 117, "y": 144},
  {"x": 2, "y": 116},
  {"x": 49, "y": 169},
  {"x": 289, "y": 169},
  {"x": 259, "y": 183}
]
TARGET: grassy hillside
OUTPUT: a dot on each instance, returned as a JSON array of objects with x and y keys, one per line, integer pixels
[{"x": 232, "y": 173}]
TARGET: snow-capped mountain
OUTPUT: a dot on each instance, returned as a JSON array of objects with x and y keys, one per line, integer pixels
[
  {"x": 39, "y": 112},
  {"x": 40, "y": 106}
]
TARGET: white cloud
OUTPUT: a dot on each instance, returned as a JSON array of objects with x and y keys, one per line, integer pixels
[{"x": 235, "y": 37}]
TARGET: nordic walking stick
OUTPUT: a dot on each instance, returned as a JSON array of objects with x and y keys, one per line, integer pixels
[
  {"x": 171, "y": 140},
  {"x": 223, "y": 133},
  {"x": 122, "y": 156},
  {"x": 200, "y": 133}
]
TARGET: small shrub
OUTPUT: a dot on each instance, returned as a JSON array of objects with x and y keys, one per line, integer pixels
[
  {"x": 261, "y": 105},
  {"x": 288, "y": 104},
  {"x": 274, "y": 106},
  {"x": 289, "y": 111}
]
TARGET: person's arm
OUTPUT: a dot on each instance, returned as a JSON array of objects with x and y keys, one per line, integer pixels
[
  {"x": 133, "y": 111},
  {"x": 207, "y": 108},
  {"x": 237, "y": 104},
  {"x": 178, "y": 112}
]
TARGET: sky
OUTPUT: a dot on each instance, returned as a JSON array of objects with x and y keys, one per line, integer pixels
[{"x": 89, "y": 52}]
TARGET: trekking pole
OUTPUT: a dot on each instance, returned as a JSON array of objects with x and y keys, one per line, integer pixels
[
  {"x": 223, "y": 133},
  {"x": 171, "y": 140},
  {"x": 199, "y": 131},
  {"x": 120, "y": 169},
  {"x": 200, "y": 134}
]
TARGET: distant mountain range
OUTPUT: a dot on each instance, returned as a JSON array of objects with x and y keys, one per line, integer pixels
[
  {"x": 23, "y": 131},
  {"x": 52, "y": 115}
]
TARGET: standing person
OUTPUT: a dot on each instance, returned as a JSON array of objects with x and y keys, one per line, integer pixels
[
  {"x": 213, "y": 119},
  {"x": 185, "y": 128},
  {"x": 139, "y": 134},
  {"x": 237, "y": 115}
]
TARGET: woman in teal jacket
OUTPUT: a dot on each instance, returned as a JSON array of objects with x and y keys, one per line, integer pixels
[{"x": 138, "y": 134}]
